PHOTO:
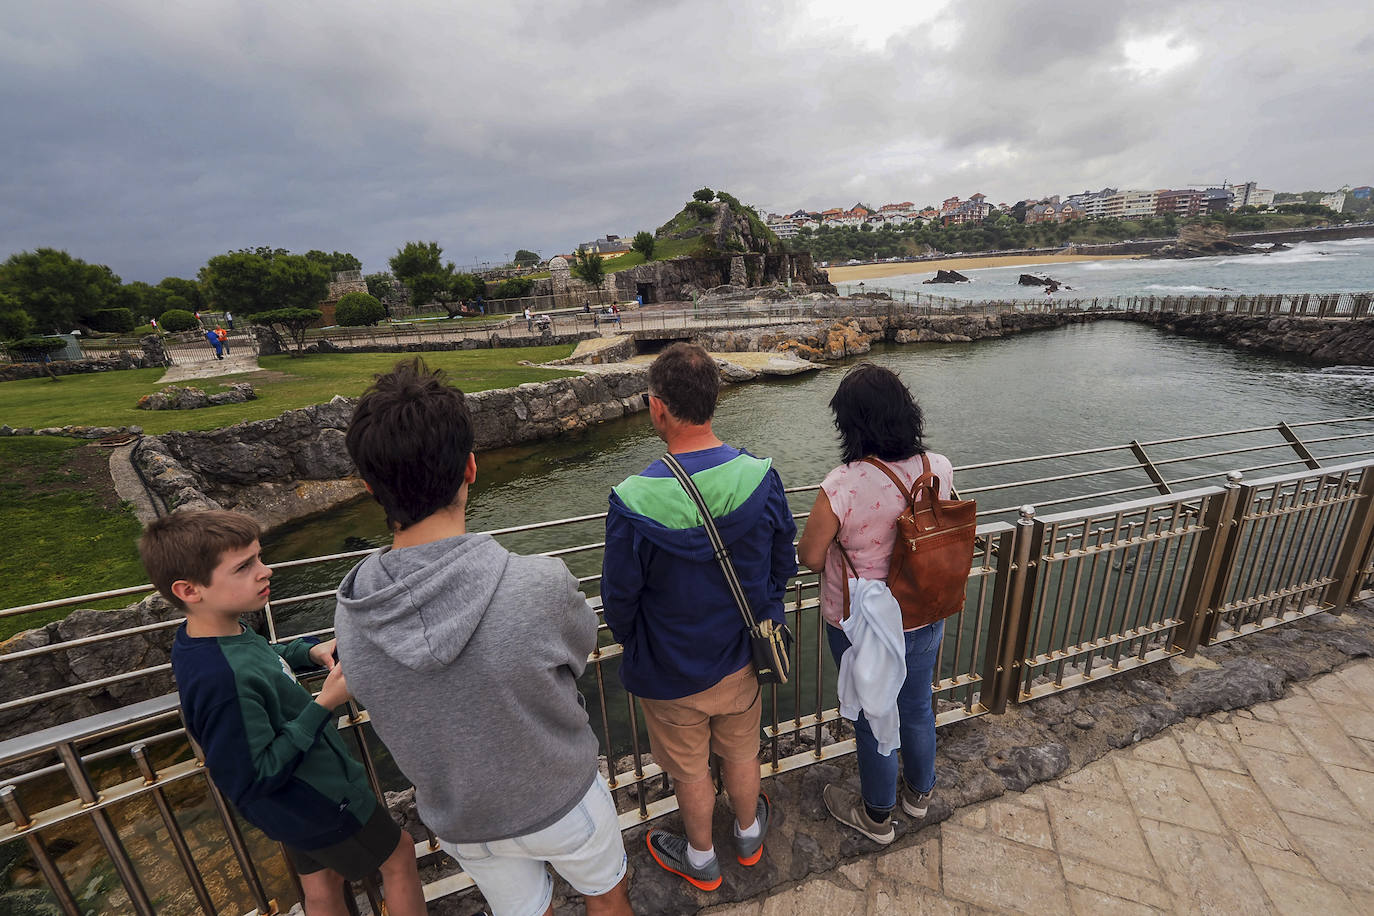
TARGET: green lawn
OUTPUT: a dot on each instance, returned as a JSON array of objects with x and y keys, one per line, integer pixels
[
  {"x": 108, "y": 398},
  {"x": 68, "y": 533}
]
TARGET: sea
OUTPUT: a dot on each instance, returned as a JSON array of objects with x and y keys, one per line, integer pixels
[{"x": 1305, "y": 267}]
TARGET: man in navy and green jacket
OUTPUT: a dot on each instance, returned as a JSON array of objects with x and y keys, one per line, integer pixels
[{"x": 664, "y": 596}]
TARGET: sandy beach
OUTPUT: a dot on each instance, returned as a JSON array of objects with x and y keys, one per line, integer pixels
[{"x": 873, "y": 271}]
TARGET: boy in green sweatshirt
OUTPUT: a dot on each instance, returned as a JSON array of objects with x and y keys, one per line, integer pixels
[{"x": 270, "y": 746}]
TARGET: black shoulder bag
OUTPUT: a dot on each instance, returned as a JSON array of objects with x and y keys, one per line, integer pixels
[{"x": 771, "y": 643}]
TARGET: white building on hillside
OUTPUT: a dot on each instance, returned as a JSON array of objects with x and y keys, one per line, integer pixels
[
  {"x": 1336, "y": 200},
  {"x": 1249, "y": 194}
]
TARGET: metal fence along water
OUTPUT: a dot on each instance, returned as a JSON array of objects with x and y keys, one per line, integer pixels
[{"x": 1053, "y": 601}]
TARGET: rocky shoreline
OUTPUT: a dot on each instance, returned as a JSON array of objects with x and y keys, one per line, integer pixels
[{"x": 1318, "y": 340}]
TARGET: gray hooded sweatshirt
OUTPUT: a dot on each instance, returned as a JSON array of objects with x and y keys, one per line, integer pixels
[{"x": 466, "y": 657}]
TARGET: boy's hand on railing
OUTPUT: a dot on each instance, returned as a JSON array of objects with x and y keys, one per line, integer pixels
[
  {"x": 334, "y": 692},
  {"x": 323, "y": 654}
]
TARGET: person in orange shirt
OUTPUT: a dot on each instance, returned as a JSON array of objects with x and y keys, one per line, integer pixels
[{"x": 223, "y": 336}]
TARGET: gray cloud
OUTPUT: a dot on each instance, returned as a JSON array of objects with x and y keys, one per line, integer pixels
[{"x": 150, "y": 137}]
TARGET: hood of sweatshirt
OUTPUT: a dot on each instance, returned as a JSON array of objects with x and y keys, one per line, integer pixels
[
  {"x": 662, "y": 512},
  {"x": 420, "y": 605}
]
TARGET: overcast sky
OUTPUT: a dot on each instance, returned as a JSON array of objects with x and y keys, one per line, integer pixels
[{"x": 149, "y": 135}]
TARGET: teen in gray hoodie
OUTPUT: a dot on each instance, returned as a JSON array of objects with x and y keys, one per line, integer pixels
[{"x": 466, "y": 657}]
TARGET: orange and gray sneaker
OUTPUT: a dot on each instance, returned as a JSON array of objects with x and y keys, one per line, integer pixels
[
  {"x": 750, "y": 849},
  {"x": 670, "y": 852}
]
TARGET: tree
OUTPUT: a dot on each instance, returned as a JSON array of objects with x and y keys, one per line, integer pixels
[
  {"x": 188, "y": 290},
  {"x": 356, "y": 310},
  {"x": 514, "y": 288},
  {"x": 119, "y": 321},
  {"x": 588, "y": 267},
  {"x": 258, "y": 280},
  {"x": 14, "y": 321},
  {"x": 335, "y": 260},
  {"x": 293, "y": 321},
  {"x": 644, "y": 244},
  {"x": 705, "y": 195},
  {"x": 420, "y": 266},
  {"x": 55, "y": 289},
  {"x": 526, "y": 258},
  {"x": 295, "y": 281},
  {"x": 237, "y": 282},
  {"x": 380, "y": 285}
]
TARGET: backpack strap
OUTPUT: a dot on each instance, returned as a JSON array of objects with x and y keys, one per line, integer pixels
[{"x": 850, "y": 563}]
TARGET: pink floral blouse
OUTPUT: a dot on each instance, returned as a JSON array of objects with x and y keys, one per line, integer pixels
[{"x": 867, "y": 504}]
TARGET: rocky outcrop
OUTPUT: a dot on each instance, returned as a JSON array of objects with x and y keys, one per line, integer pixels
[
  {"x": 720, "y": 277},
  {"x": 1204, "y": 240},
  {"x": 73, "y": 432},
  {"x": 1032, "y": 280},
  {"x": 296, "y": 464},
  {"x": 947, "y": 276},
  {"x": 1321, "y": 340},
  {"x": 175, "y": 397}
]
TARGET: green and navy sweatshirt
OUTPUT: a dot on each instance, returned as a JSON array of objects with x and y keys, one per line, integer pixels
[
  {"x": 269, "y": 747},
  {"x": 663, "y": 594}
]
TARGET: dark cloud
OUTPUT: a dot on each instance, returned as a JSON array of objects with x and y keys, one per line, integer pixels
[{"x": 150, "y": 136}]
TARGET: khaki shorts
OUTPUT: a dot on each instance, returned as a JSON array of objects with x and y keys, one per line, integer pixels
[{"x": 723, "y": 719}]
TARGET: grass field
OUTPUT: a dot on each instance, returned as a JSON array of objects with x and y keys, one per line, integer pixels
[
  {"x": 69, "y": 533},
  {"x": 109, "y": 398}
]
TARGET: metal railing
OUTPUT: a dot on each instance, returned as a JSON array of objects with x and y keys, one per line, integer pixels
[{"x": 1053, "y": 601}]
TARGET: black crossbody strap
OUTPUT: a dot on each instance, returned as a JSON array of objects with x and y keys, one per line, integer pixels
[{"x": 718, "y": 545}]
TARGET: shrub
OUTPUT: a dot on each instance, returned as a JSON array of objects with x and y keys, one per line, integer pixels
[
  {"x": 14, "y": 323},
  {"x": 356, "y": 310},
  {"x": 700, "y": 209},
  {"x": 705, "y": 195},
  {"x": 644, "y": 243},
  {"x": 113, "y": 320},
  {"x": 174, "y": 320},
  {"x": 293, "y": 321},
  {"x": 514, "y": 288},
  {"x": 34, "y": 349}
]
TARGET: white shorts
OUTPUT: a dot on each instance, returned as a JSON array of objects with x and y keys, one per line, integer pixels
[{"x": 584, "y": 846}]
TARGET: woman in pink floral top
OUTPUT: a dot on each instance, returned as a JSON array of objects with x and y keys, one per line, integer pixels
[{"x": 877, "y": 418}]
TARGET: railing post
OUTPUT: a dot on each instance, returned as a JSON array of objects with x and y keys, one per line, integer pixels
[
  {"x": 169, "y": 820},
  {"x": 1209, "y": 568},
  {"x": 1013, "y": 592},
  {"x": 9, "y": 795},
  {"x": 1353, "y": 555}
]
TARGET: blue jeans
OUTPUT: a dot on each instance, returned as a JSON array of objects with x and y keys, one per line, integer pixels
[{"x": 916, "y": 715}]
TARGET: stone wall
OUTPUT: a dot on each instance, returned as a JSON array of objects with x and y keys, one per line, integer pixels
[
  {"x": 124, "y": 359},
  {"x": 680, "y": 279},
  {"x": 1321, "y": 340},
  {"x": 296, "y": 465}
]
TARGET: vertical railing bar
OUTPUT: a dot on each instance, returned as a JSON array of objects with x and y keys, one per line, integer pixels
[
  {"x": 1138, "y": 555},
  {"x": 174, "y": 832},
  {"x": 1293, "y": 562},
  {"x": 1267, "y": 559},
  {"x": 605, "y": 718},
  {"x": 1205, "y": 576},
  {"x": 9, "y": 795},
  {"x": 104, "y": 828},
  {"x": 639, "y": 763},
  {"x": 1355, "y": 547},
  {"x": 1323, "y": 543},
  {"x": 796, "y": 649},
  {"x": 1062, "y": 577},
  {"x": 1104, "y": 602},
  {"x": 236, "y": 843},
  {"x": 361, "y": 741},
  {"x": 1086, "y": 634}
]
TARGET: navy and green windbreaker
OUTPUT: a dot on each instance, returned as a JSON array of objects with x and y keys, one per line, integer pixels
[
  {"x": 662, "y": 590},
  {"x": 269, "y": 747}
]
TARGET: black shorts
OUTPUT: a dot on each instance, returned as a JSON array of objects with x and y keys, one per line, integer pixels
[{"x": 356, "y": 857}]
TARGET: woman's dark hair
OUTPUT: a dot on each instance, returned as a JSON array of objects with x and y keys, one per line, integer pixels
[
  {"x": 409, "y": 438},
  {"x": 876, "y": 415}
]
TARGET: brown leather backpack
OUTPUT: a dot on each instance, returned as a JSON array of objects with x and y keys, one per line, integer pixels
[{"x": 931, "y": 558}]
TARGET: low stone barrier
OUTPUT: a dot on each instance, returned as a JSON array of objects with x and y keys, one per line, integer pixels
[
  {"x": 1322, "y": 340},
  {"x": 296, "y": 465},
  {"x": 113, "y": 363},
  {"x": 72, "y": 432}
]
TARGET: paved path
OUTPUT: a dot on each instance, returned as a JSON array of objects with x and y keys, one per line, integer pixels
[{"x": 1265, "y": 810}]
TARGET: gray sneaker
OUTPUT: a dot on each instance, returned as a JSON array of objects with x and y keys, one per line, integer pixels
[
  {"x": 670, "y": 852},
  {"x": 849, "y": 811},
  {"x": 750, "y": 849},
  {"x": 915, "y": 803}
]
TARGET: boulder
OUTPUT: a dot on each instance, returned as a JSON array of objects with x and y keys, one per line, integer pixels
[{"x": 947, "y": 276}]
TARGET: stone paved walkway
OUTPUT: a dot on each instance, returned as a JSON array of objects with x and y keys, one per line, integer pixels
[{"x": 1261, "y": 810}]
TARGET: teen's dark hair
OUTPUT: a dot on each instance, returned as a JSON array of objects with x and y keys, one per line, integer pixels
[
  {"x": 686, "y": 379},
  {"x": 876, "y": 415},
  {"x": 410, "y": 438}
]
